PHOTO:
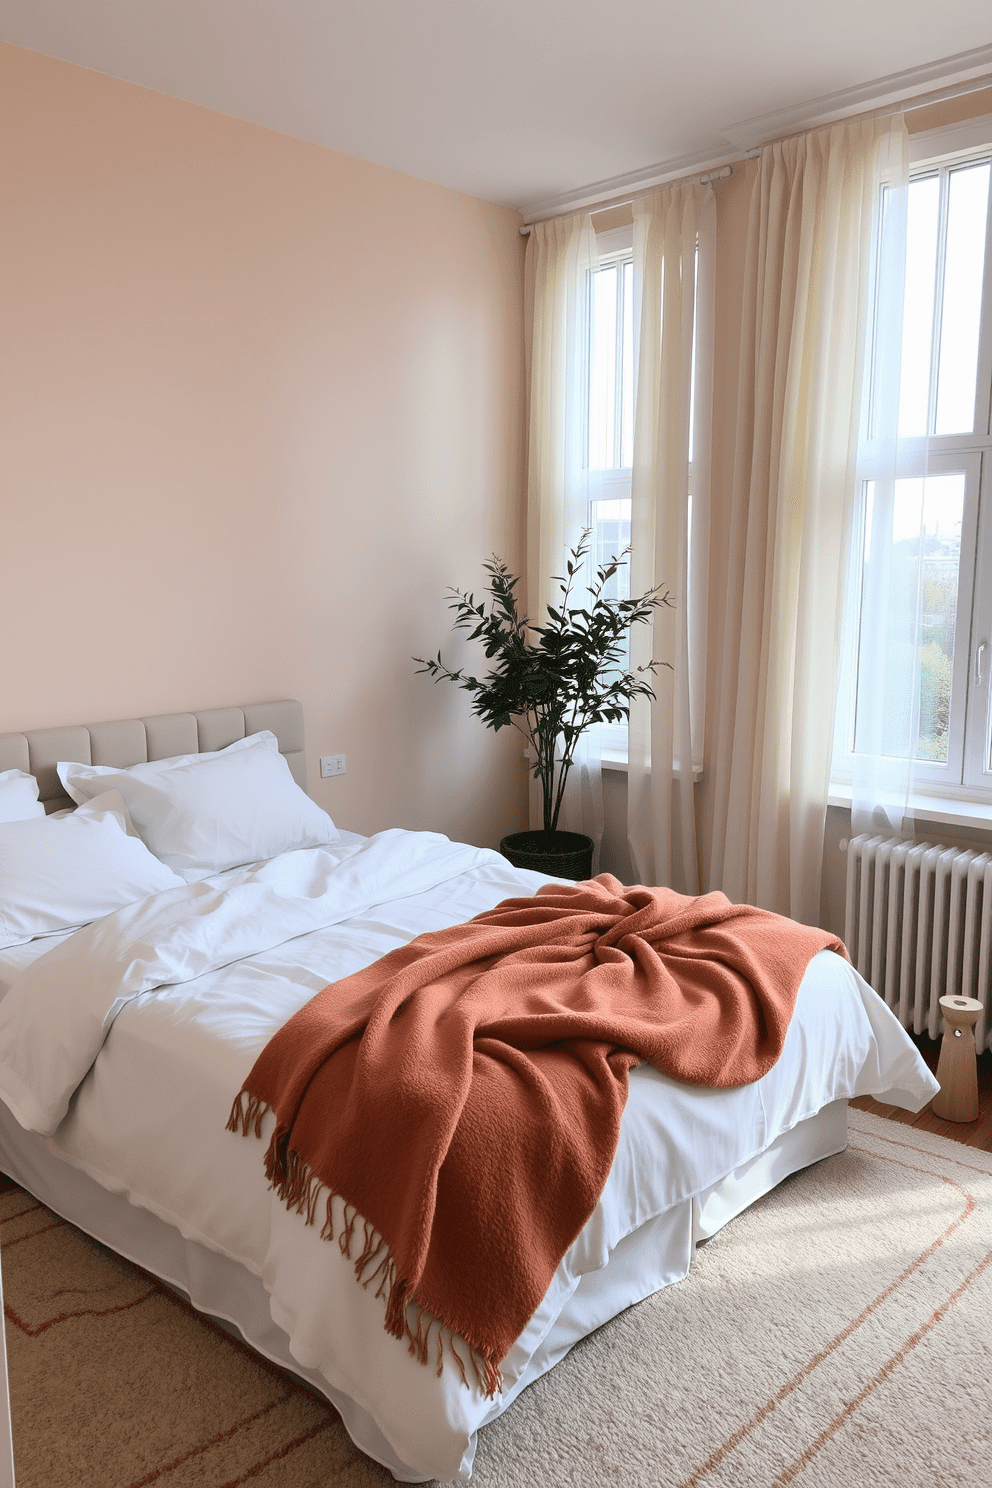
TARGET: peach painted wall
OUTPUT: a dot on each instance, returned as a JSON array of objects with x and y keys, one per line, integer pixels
[{"x": 260, "y": 404}]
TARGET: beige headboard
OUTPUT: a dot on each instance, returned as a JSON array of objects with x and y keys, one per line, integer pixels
[{"x": 131, "y": 741}]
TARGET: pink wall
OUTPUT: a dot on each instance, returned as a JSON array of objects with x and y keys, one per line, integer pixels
[{"x": 260, "y": 404}]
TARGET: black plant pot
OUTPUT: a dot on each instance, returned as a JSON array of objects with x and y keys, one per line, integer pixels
[{"x": 559, "y": 854}]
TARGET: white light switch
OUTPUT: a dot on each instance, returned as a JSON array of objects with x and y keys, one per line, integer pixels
[{"x": 331, "y": 764}]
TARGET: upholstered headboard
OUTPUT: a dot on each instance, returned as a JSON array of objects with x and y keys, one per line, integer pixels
[{"x": 131, "y": 741}]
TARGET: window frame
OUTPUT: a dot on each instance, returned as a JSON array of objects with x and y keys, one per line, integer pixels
[
  {"x": 614, "y": 247},
  {"x": 967, "y": 776}
]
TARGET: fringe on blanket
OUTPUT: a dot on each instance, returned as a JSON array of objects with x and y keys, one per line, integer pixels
[{"x": 300, "y": 1188}]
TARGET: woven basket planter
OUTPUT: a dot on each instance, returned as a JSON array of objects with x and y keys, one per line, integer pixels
[{"x": 559, "y": 854}]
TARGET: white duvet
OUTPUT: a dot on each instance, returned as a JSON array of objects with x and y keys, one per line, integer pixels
[{"x": 126, "y": 1042}]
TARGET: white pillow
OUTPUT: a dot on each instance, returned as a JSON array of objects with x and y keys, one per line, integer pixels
[
  {"x": 19, "y": 797},
  {"x": 204, "y": 813},
  {"x": 83, "y": 782},
  {"x": 60, "y": 874}
]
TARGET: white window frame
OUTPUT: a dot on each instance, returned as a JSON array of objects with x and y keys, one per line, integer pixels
[
  {"x": 961, "y": 790},
  {"x": 614, "y": 247}
]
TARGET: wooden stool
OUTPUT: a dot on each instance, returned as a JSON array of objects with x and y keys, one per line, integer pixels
[{"x": 957, "y": 1068}]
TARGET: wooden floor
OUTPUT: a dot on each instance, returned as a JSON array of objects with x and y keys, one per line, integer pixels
[{"x": 972, "y": 1133}]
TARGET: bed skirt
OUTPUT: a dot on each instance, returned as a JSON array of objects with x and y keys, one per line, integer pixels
[{"x": 651, "y": 1257}]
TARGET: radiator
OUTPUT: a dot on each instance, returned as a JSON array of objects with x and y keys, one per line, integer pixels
[{"x": 918, "y": 926}]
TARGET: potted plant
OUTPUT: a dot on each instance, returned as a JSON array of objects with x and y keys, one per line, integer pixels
[{"x": 552, "y": 682}]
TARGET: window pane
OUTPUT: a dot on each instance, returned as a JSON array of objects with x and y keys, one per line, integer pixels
[
  {"x": 916, "y": 631},
  {"x": 943, "y": 507},
  {"x": 964, "y": 267},
  {"x": 603, "y": 369},
  {"x": 611, "y": 534},
  {"x": 923, "y": 213},
  {"x": 627, "y": 438},
  {"x": 692, "y": 368}
]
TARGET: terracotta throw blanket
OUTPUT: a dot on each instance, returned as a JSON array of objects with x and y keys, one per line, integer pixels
[{"x": 462, "y": 1096}]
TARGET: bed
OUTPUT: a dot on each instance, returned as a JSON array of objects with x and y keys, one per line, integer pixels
[{"x": 123, "y": 1081}]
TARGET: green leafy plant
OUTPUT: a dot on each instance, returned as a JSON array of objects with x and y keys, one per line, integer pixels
[{"x": 552, "y": 681}]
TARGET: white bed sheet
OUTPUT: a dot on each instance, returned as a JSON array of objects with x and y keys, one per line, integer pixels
[{"x": 148, "y": 1122}]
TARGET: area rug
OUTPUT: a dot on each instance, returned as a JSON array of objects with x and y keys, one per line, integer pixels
[{"x": 838, "y": 1333}]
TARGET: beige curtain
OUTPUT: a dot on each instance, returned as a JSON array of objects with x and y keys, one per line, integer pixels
[
  {"x": 805, "y": 293},
  {"x": 561, "y": 255},
  {"x": 674, "y": 245}
]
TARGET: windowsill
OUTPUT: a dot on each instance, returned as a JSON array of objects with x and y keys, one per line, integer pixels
[
  {"x": 613, "y": 760},
  {"x": 952, "y": 811}
]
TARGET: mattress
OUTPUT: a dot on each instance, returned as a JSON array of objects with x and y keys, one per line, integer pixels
[{"x": 128, "y": 1084}]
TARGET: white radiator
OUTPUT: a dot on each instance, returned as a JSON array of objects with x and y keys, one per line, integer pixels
[{"x": 918, "y": 926}]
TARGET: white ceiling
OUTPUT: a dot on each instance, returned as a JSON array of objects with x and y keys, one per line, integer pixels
[{"x": 529, "y": 103}]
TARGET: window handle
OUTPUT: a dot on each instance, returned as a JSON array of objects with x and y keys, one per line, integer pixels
[{"x": 978, "y": 663}]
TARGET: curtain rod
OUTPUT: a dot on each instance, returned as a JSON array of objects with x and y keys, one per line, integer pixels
[
  {"x": 625, "y": 201},
  {"x": 924, "y": 100},
  {"x": 921, "y": 101},
  {"x": 840, "y": 115},
  {"x": 909, "y": 106}
]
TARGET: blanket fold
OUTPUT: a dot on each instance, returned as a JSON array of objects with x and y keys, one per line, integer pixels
[{"x": 460, "y": 1099}]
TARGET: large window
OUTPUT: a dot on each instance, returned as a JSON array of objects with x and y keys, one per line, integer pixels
[{"x": 924, "y": 534}]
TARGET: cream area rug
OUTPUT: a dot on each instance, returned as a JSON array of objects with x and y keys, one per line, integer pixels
[{"x": 837, "y": 1335}]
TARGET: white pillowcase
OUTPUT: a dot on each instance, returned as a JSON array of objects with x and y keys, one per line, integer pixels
[
  {"x": 58, "y": 874},
  {"x": 205, "y": 813},
  {"x": 19, "y": 797}
]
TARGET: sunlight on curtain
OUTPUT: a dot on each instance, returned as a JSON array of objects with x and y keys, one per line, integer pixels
[
  {"x": 561, "y": 255},
  {"x": 674, "y": 249},
  {"x": 807, "y": 279}
]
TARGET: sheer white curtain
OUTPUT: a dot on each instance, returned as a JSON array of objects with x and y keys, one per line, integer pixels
[
  {"x": 561, "y": 255},
  {"x": 886, "y": 578},
  {"x": 674, "y": 248},
  {"x": 807, "y": 280}
]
